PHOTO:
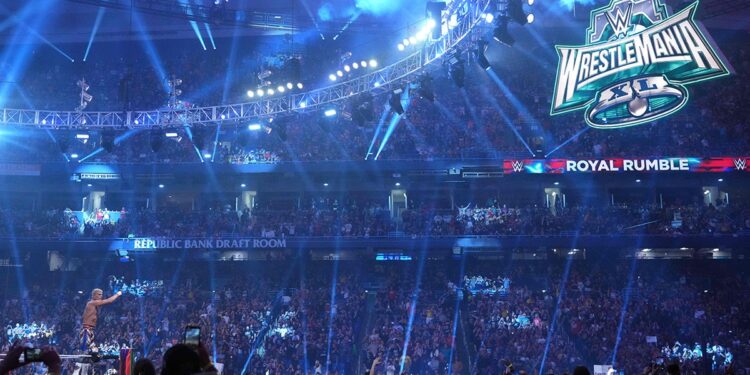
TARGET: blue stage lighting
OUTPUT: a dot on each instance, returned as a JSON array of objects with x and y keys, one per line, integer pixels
[
  {"x": 330, "y": 112},
  {"x": 254, "y": 127}
]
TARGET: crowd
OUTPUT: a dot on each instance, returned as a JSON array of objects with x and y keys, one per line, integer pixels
[
  {"x": 351, "y": 218},
  {"x": 481, "y": 120},
  {"x": 413, "y": 319}
]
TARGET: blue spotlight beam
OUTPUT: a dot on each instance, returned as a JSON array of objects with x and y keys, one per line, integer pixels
[
  {"x": 210, "y": 35},
  {"x": 383, "y": 116},
  {"x": 198, "y": 34},
  {"x": 572, "y": 138},
  {"x": 507, "y": 120},
  {"x": 151, "y": 53},
  {"x": 394, "y": 123},
  {"x": 97, "y": 22}
]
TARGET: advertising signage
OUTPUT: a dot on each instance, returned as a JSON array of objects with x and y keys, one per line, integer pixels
[{"x": 624, "y": 165}]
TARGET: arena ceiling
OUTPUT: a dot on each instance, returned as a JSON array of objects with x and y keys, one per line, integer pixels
[{"x": 71, "y": 21}]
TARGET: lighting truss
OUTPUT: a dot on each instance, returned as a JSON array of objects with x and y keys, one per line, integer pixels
[
  {"x": 468, "y": 14},
  {"x": 201, "y": 13}
]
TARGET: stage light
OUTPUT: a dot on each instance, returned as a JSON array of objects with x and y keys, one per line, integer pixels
[
  {"x": 556, "y": 183},
  {"x": 243, "y": 185},
  {"x": 516, "y": 13},
  {"x": 412, "y": 40},
  {"x": 638, "y": 180},
  {"x": 250, "y": 93},
  {"x": 300, "y": 85},
  {"x": 395, "y": 101},
  {"x": 398, "y": 184},
  {"x": 646, "y": 250},
  {"x": 161, "y": 186},
  {"x": 108, "y": 140},
  {"x": 355, "y": 66},
  {"x": 254, "y": 127},
  {"x": 332, "y": 77},
  {"x": 303, "y": 104},
  {"x": 434, "y": 10},
  {"x": 223, "y": 117},
  {"x": 137, "y": 122},
  {"x": 89, "y": 185},
  {"x": 207, "y": 155},
  {"x": 82, "y": 136},
  {"x": 489, "y": 17},
  {"x": 425, "y": 88},
  {"x": 373, "y": 63},
  {"x": 171, "y": 134},
  {"x": 270, "y": 92},
  {"x": 325, "y": 184},
  {"x": 481, "y": 57},
  {"x": 339, "y": 73},
  {"x": 289, "y": 85},
  {"x": 363, "y": 63},
  {"x": 422, "y": 35},
  {"x": 456, "y": 71},
  {"x": 530, "y": 18},
  {"x": 330, "y": 112},
  {"x": 400, "y": 47},
  {"x": 74, "y": 156},
  {"x": 721, "y": 180},
  {"x": 377, "y": 84},
  {"x": 500, "y": 33},
  {"x": 281, "y": 89},
  {"x": 347, "y": 68},
  {"x": 259, "y": 92},
  {"x": 530, "y": 2}
]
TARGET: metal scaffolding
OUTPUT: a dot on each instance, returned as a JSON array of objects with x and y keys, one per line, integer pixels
[{"x": 464, "y": 13}]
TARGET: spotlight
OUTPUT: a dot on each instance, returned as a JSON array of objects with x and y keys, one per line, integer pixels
[
  {"x": 515, "y": 12},
  {"x": 223, "y": 117},
  {"x": 171, "y": 134},
  {"x": 281, "y": 89},
  {"x": 300, "y": 85},
  {"x": 161, "y": 186},
  {"x": 530, "y": 2},
  {"x": 425, "y": 88},
  {"x": 363, "y": 63},
  {"x": 332, "y": 77},
  {"x": 405, "y": 42},
  {"x": 206, "y": 155},
  {"x": 347, "y": 68},
  {"x": 270, "y": 92},
  {"x": 259, "y": 92},
  {"x": 400, "y": 47},
  {"x": 456, "y": 71},
  {"x": 481, "y": 57},
  {"x": 489, "y": 17},
  {"x": 250, "y": 93},
  {"x": 373, "y": 63},
  {"x": 289, "y": 85},
  {"x": 412, "y": 40},
  {"x": 355, "y": 66},
  {"x": 395, "y": 101},
  {"x": 155, "y": 138},
  {"x": 108, "y": 140},
  {"x": 330, "y": 112},
  {"x": 254, "y": 127},
  {"x": 530, "y": 18},
  {"x": 500, "y": 33},
  {"x": 243, "y": 185},
  {"x": 74, "y": 156},
  {"x": 433, "y": 12},
  {"x": 339, "y": 73},
  {"x": 82, "y": 137}
]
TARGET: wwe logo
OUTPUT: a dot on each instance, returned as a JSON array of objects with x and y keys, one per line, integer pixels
[
  {"x": 621, "y": 20},
  {"x": 517, "y": 165},
  {"x": 740, "y": 164}
]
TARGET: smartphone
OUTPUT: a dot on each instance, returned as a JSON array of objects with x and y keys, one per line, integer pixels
[
  {"x": 192, "y": 335},
  {"x": 30, "y": 355}
]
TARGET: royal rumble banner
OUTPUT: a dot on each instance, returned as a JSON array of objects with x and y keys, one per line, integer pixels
[
  {"x": 146, "y": 244},
  {"x": 619, "y": 165}
]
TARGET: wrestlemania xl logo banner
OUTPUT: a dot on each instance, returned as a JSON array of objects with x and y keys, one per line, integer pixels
[{"x": 635, "y": 64}]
